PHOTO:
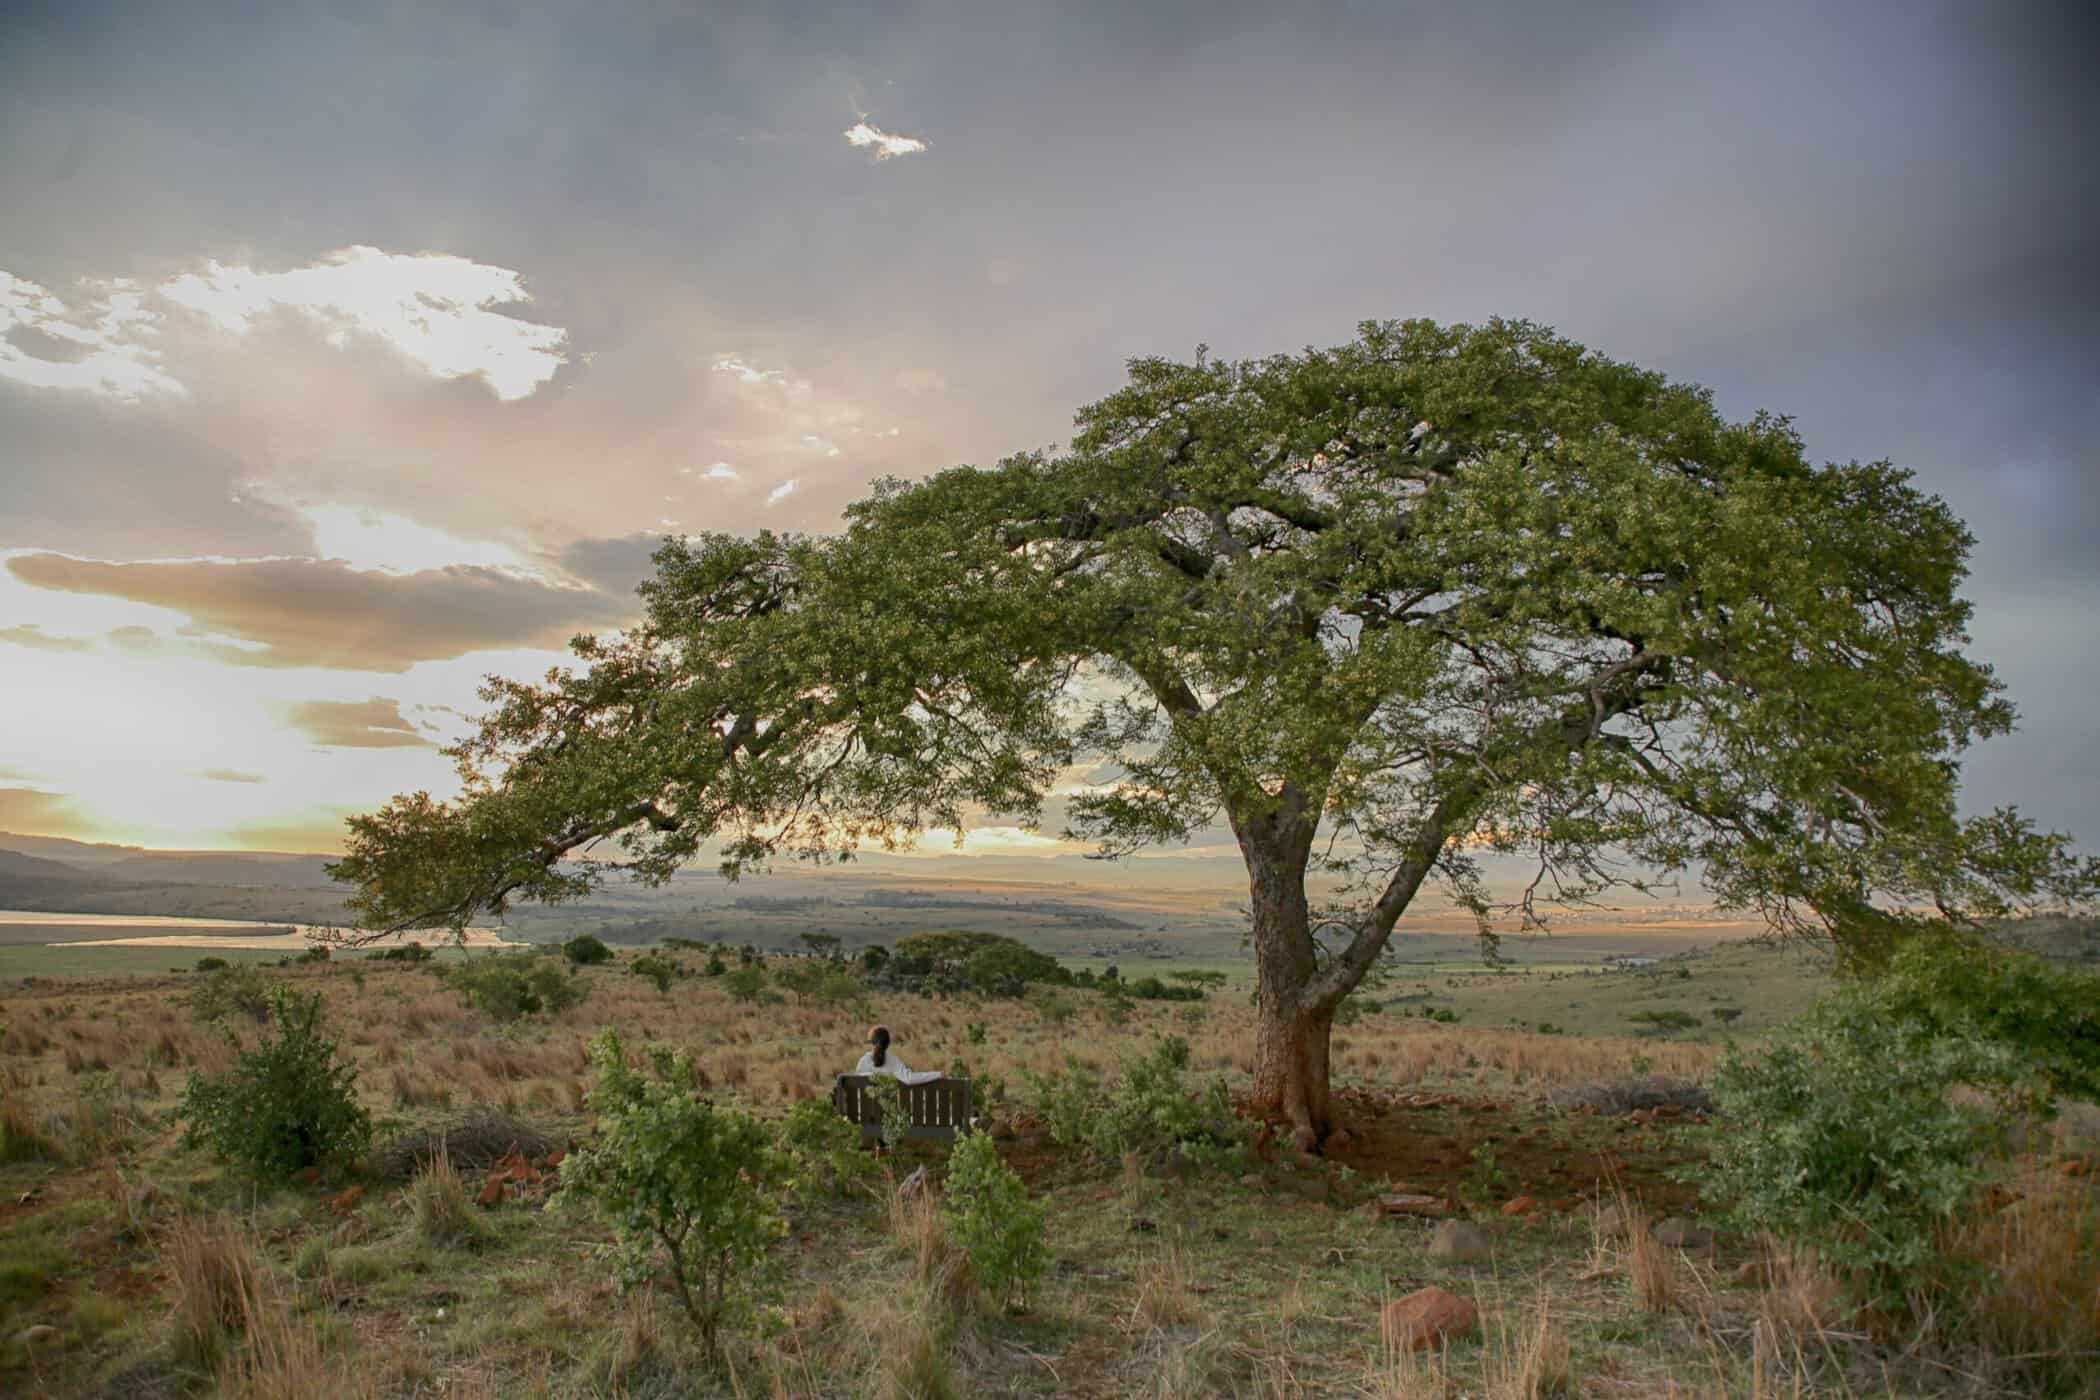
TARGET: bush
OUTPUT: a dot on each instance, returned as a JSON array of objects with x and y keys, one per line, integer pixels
[
  {"x": 509, "y": 987},
  {"x": 823, "y": 983},
  {"x": 585, "y": 950},
  {"x": 229, "y": 989},
  {"x": 286, "y": 1105},
  {"x": 988, "y": 1213},
  {"x": 1842, "y": 1138},
  {"x": 661, "y": 971},
  {"x": 746, "y": 984},
  {"x": 715, "y": 966},
  {"x": 211, "y": 964},
  {"x": 2048, "y": 1016},
  {"x": 1147, "y": 1110},
  {"x": 410, "y": 952},
  {"x": 687, "y": 1188},
  {"x": 825, "y": 1147}
]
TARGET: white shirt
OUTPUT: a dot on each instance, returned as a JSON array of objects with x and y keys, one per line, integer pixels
[{"x": 895, "y": 1068}]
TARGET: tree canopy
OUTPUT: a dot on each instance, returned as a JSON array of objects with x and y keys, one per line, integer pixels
[{"x": 1379, "y": 609}]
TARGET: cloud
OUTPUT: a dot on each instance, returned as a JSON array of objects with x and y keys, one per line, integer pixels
[
  {"x": 28, "y": 812},
  {"x": 433, "y": 308},
  {"x": 781, "y": 492},
  {"x": 99, "y": 347},
  {"x": 883, "y": 144},
  {"x": 32, "y": 636},
  {"x": 744, "y": 372},
  {"x": 377, "y": 539},
  {"x": 230, "y": 775},
  {"x": 612, "y": 566},
  {"x": 309, "y": 612},
  {"x": 720, "y": 471},
  {"x": 990, "y": 841},
  {"x": 355, "y": 724}
]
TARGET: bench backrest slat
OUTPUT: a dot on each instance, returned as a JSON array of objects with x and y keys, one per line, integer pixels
[{"x": 937, "y": 1109}]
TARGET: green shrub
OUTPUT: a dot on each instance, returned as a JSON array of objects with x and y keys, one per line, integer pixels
[
  {"x": 410, "y": 952},
  {"x": 989, "y": 1215},
  {"x": 687, "y": 1188},
  {"x": 715, "y": 966},
  {"x": 585, "y": 950},
  {"x": 2048, "y": 1016},
  {"x": 1147, "y": 1110},
  {"x": 745, "y": 984},
  {"x": 210, "y": 964},
  {"x": 1842, "y": 1137},
  {"x": 509, "y": 987},
  {"x": 825, "y": 1147},
  {"x": 230, "y": 989},
  {"x": 286, "y": 1105},
  {"x": 822, "y": 983},
  {"x": 661, "y": 971}
]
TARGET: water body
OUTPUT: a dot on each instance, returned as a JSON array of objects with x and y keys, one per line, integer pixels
[{"x": 171, "y": 931}]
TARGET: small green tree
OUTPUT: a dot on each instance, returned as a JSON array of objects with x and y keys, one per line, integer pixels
[
  {"x": 661, "y": 971},
  {"x": 286, "y": 1105},
  {"x": 1841, "y": 1137},
  {"x": 509, "y": 987},
  {"x": 586, "y": 950},
  {"x": 988, "y": 1213},
  {"x": 824, "y": 945},
  {"x": 825, "y": 1147},
  {"x": 746, "y": 984},
  {"x": 691, "y": 1191}
]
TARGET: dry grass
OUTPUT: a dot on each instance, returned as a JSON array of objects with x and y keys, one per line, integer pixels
[
  {"x": 440, "y": 1207},
  {"x": 1533, "y": 1362},
  {"x": 218, "y": 1287},
  {"x": 1651, "y": 1266},
  {"x": 1164, "y": 1295}
]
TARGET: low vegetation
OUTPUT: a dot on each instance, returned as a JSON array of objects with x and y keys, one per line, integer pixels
[{"x": 1115, "y": 1227}]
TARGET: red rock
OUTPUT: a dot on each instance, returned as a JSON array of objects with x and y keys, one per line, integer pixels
[
  {"x": 1521, "y": 1205},
  {"x": 1428, "y": 1317},
  {"x": 556, "y": 1158},
  {"x": 308, "y": 1176},
  {"x": 2076, "y": 1166},
  {"x": 492, "y": 1193},
  {"x": 347, "y": 1202}
]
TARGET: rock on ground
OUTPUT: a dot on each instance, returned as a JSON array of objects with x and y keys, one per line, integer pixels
[
  {"x": 1461, "y": 1242},
  {"x": 1428, "y": 1317}
]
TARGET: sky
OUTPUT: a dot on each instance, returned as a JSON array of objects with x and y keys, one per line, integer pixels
[{"x": 350, "y": 353}]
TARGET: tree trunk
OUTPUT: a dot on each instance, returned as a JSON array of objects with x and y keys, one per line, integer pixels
[
  {"x": 1290, "y": 1069},
  {"x": 1291, "y": 1026}
]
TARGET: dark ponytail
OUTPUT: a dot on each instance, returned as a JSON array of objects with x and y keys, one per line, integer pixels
[{"x": 880, "y": 1039}]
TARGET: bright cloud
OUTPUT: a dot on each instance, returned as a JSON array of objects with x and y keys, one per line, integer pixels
[
  {"x": 377, "y": 539},
  {"x": 714, "y": 471},
  {"x": 102, "y": 346},
  {"x": 820, "y": 444},
  {"x": 883, "y": 144},
  {"x": 745, "y": 372},
  {"x": 991, "y": 841},
  {"x": 781, "y": 492},
  {"x": 434, "y": 309}
]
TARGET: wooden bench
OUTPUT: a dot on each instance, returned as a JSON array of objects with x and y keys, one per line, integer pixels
[{"x": 938, "y": 1110}]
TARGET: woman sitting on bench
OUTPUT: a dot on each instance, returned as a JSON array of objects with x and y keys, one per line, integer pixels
[{"x": 879, "y": 1060}]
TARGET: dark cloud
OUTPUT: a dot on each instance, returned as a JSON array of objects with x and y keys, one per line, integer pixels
[
  {"x": 612, "y": 566},
  {"x": 355, "y": 724},
  {"x": 230, "y": 775},
  {"x": 32, "y": 636},
  {"x": 306, "y": 612}
]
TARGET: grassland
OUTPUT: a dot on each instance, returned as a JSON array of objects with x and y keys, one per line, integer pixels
[{"x": 1164, "y": 1284}]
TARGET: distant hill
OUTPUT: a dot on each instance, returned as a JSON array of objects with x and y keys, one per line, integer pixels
[
  {"x": 14, "y": 865},
  {"x": 223, "y": 868},
  {"x": 79, "y": 853}
]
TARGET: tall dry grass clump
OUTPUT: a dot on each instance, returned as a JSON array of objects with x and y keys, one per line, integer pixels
[
  {"x": 218, "y": 1283},
  {"x": 937, "y": 1265},
  {"x": 1534, "y": 1361},
  {"x": 439, "y": 1204},
  {"x": 2036, "y": 1311}
]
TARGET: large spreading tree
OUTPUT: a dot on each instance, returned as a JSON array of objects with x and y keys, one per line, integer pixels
[{"x": 1382, "y": 610}]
